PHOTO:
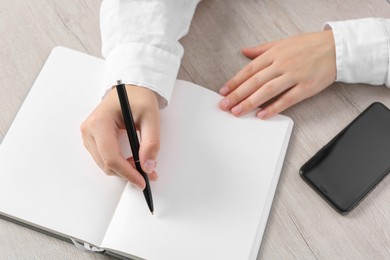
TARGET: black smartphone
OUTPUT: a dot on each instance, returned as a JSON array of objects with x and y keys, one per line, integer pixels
[{"x": 346, "y": 169}]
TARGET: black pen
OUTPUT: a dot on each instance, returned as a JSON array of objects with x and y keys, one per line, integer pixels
[{"x": 133, "y": 139}]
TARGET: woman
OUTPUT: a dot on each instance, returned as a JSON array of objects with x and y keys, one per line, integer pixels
[{"x": 140, "y": 44}]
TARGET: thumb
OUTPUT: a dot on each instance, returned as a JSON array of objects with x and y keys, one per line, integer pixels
[{"x": 150, "y": 142}]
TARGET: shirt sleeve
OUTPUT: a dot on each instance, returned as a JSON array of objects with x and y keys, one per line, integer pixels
[
  {"x": 140, "y": 42},
  {"x": 362, "y": 50}
]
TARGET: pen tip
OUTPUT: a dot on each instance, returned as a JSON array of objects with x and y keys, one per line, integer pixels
[{"x": 152, "y": 212}]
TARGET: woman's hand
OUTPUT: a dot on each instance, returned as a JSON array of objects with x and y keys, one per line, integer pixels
[
  {"x": 100, "y": 134},
  {"x": 281, "y": 74}
]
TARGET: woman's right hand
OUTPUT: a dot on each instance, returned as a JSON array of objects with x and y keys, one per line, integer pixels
[{"x": 101, "y": 128}]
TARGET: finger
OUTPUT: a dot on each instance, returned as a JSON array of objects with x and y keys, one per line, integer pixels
[
  {"x": 90, "y": 145},
  {"x": 152, "y": 176},
  {"x": 150, "y": 140},
  {"x": 268, "y": 91},
  {"x": 286, "y": 100},
  {"x": 247, "y": 88},
  {"x": 253, "y": 52},
  {"x": 244, "y": 74},
  {"x": 93, "y": 150},
  {"x": 109, "y": 150}
]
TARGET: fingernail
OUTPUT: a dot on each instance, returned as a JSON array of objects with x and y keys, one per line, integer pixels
[
  {"x": 224, "y": 90},
  {"x": 225, "y": 103},
  {"x": 149, "y": 165},
  {"x": 262, "y": 114},
  {"x": 237, "y": 109}
]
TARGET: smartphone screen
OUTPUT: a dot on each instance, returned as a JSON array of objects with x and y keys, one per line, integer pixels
[{"x": 346, "y": 169}]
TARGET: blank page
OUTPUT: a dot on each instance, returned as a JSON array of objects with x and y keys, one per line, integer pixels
[
  {"x": 217, "y": 178},
  {"x": 47, "y": 177}
]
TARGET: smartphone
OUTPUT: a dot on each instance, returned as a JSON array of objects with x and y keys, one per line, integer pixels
[{"x": 346, "y": 169}]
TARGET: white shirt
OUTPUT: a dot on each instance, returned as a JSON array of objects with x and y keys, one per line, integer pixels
[
  {"x": 362, "y": 50},
  {"x": 141, "y": 42},
  {"x": 141, "y": 45}
]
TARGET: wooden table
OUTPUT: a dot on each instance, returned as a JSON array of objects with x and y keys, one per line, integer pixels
[{"x": 301, "y": 225}]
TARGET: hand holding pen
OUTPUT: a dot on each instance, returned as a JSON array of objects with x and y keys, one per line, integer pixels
[{"x": 101, "y": 128}]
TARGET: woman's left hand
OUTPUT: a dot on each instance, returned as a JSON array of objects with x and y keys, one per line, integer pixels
[{"x": 281, "y": 74}]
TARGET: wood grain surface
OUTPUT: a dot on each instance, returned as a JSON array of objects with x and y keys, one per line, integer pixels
[{"x": 301, "y": 225}]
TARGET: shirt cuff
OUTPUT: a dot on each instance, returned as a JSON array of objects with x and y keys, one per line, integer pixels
[
  {"x": 362, "y": 51},
  {"x": 143, "y": 65}
]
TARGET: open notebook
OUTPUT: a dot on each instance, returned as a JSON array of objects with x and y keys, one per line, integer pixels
[{"x": 217, "y": 173}]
